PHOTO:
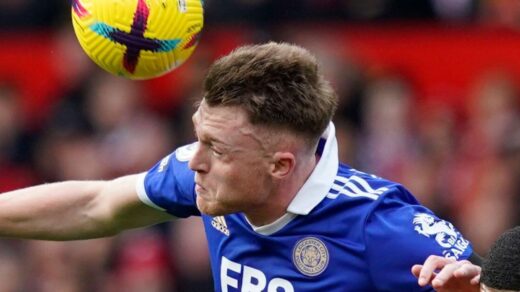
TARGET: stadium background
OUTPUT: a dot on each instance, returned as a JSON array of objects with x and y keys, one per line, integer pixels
[{"x": 429, "y": 98}]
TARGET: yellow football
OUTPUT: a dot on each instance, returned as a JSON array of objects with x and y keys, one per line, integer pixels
[{"x": 138, "y": 39}]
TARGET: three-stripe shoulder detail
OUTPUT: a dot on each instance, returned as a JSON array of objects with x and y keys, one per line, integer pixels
[{"x": 354, "y": 187}]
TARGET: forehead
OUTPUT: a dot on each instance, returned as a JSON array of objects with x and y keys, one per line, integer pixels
[
  {"x": 220, "y": 116},
  {"x": 227, "y": 124}
]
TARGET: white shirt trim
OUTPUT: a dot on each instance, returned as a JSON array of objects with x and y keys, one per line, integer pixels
[
  {"x": 321, "y": 179},
  {"x": 141, "y": 192},
  {"x": 274, "y": 226}
]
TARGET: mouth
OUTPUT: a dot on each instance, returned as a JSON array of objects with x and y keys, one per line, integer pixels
[{"x": 199, "y": 189}]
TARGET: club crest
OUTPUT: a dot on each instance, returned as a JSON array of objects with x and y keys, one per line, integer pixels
[
  {"x": 310, "y": 256},
  {"x": 443, "y": 232}
]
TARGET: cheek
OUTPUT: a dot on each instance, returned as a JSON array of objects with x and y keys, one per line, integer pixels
[
  {"x": 243, "y": 179},
  {"x": 232, "y": 182},
  {"x": 244, "y": 182}
]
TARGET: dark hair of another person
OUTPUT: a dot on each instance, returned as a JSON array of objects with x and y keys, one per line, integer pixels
[{"x": 501, "y": 268}]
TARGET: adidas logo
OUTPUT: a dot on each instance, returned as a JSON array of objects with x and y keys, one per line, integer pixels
[{"x": 220, "y": 224}]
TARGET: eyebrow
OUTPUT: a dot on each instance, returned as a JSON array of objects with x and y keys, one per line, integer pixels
[{"x": 210, "y": 138}]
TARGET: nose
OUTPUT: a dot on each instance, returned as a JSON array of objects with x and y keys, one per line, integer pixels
[{"x": 199, "y": 162}]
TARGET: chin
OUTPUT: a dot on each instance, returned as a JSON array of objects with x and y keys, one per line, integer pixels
[{"x": 211, "y": 208}]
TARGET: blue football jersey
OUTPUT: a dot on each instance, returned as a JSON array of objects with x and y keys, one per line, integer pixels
[{"x": 345, "y": 230}]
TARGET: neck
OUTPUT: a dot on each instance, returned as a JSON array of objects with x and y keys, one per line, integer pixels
[{"x": 283, "y": 194}]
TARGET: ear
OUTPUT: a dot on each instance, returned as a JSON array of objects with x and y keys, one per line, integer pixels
[{"x": 283, "y": 164}]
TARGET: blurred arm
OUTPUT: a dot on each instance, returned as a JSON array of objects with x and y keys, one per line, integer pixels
[{"x": 75, "y": 210}]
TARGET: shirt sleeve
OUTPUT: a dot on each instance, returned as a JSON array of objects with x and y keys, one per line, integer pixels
[
  {"x": 400, "y": 233},
  {"x": 169, "y": 185}
]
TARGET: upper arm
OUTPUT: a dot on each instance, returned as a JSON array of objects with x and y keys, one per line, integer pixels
[
  {"x": 121, "y": 208},
  {"x": 399, "y": 234}
]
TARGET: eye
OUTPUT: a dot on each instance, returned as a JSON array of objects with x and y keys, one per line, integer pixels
[{"x": 215, "y": 152}]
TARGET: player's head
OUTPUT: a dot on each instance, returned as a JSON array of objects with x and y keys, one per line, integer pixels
[
  {"x": 263, "y": 111},
  {"x": 279, "y": 85},
  {"x": 501, "y": 268}
]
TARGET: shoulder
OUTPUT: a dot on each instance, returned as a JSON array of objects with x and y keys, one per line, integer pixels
[
  {"x": 367, "y": 199},
  {"x": 174, "y": 167},
  {"x": 391, "y": 214},
  {"x": 353, "y": 185},
  {"x": 186, "y": 152},
  {"x": 169, "y": 185},
  {"x": 355, "y": 196}
]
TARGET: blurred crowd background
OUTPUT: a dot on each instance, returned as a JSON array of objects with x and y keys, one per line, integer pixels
[{"x": 428, "y": 97}]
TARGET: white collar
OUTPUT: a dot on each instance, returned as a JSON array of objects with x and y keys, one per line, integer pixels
[
  {"x": 314, "y": 190},
  {"x": 321, "y": 179}
]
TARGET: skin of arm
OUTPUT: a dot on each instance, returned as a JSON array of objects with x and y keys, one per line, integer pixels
[{"x": 75, "y": 210}]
